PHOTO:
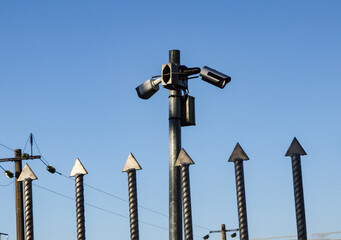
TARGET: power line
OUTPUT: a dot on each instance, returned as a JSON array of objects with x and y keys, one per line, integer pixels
[
  {"x": 7, "y": 147},
  {"x": 6, "y": 185},
  {"x": 124, "y": 200},
  {"x": 110, "y": 194},
  {"x": 96, "y": 207},
  {"x": 324, "y": 234},
  {"x": 103, "y": 209}
]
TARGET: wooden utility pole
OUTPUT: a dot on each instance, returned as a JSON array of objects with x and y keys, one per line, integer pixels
[
  {"x": 223, "y": 231},
  {"x": 19, "y": 199}
]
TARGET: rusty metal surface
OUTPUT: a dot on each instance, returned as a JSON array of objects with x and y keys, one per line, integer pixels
[
  {"x": 80, "y": 207},
  {"x": 133, "y": 211},
  {"x": 28, "y": 209}
]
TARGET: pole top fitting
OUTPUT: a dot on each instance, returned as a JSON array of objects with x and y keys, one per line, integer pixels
[
  {"x": 27, "y": 174},
  {"x": 174, "y": 56},
  {"x": 238, "y": 154},
  {"x": 131, "y": 164},
  {"x": 295, "y": 149},
  {"x": 78, "y": 169}
]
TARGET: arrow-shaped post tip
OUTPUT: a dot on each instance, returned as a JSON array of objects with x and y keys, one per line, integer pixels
[
  {"x": 131, "y": 163},
  {"x": 78, "y": 169},
  {"x": 183, "y": 159},
  {"x": 295, "y": 149},
  {"x": 238, "y": 154},
  {"x": 27, "y": 173}
]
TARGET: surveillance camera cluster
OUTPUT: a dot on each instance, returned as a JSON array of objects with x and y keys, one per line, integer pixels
[{"x": 176, "y": 76}]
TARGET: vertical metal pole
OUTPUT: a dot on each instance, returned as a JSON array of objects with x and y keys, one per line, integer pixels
[
  {"x": 28, "y": 209},
  {"x": 186, "y": 193},
  {"x": 134, "y": 222},
  {"x": 19, "y": 199},
  {"x": 175, "y": 209},
  {"x": 243, "y": 229},
  {"x": 299, "y": 198},
  {"x": 80, "y": 207},
  {"x": 223, "y": 231}
]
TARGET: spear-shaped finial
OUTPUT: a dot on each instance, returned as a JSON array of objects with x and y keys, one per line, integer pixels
[
  {"x": 27, "y": 176},
  {"x": 184, "y": 160},
  {"x": 295, "y": 151},
  {"x": 238, "y": 156},
  {"x": 78, "y": 171},
  {"x": 130, "y": 167}
]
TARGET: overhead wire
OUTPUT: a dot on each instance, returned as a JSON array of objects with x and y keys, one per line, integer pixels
[
  {"x": 97, "y": 207},
  {"x": 112, "y": 195},
  {"x": 6, "y": 147},
  {"x": 26, "y": 144},
  {"x": 6, "y": 185},
  {"x": 103, "y": 209}
]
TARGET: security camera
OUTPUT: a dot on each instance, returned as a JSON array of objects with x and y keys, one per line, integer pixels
[
  {"x": 148, "y": 88},
  {"x": 214, "y": 77}
]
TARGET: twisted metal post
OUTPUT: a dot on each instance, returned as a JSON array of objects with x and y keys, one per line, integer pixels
[
  {"x": 80, "y": 207},
  {"x": 28, "y": 209},
  {"x": 295, "y": 151},
  {"x": 299, "y": 198},
  {"x": 133, "y": 212},
  {"x": 186, "y": 200},
  {"x": 243, "y": 228}
]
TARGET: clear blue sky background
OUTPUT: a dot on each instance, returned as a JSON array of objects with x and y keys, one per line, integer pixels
[{"x": 68, "y": 72}]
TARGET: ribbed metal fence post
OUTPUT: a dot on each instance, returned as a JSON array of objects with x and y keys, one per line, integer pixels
[
  {"x": 27, "y": 176},
  {"x": 130, "y": 167},
  {"x": 184, "y": 161},
  {"x": 295, "y": 151},
  {"x": 78, "y": 171},
  {"x": 238, "y": 156}
]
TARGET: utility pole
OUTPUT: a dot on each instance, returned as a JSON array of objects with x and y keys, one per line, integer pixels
[
  {"x": 27, "y": 175},
  {"x": 175, "y": 78},
  {"x": 78, "y": 171},
  {"x": 19, "y": 199},
  {"x": 183, "y": 161},
  {"x": 295, "y": 151},
  {"x": 130, "y": 167},
  {"x": 19, "y": 202},
  {"x": 175, "y": 209},
  {"x": 238, "y": 156},
  {"x": 223, "y": 232}
]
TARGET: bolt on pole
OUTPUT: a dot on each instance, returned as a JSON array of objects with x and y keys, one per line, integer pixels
[
  {"x": 27, "y": 175},
  {"x": 19, "y": 199},
  {"x": 295, "y": 151},
  {"x": 175, "y": 208},
  {"x": 130, "y": 167},
  {"x": 184, "y": 161},
  {"x": 238, "y": 156},
  {"x": 78, "y": 171}
]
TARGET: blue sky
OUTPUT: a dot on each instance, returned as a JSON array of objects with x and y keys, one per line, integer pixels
[{"x": 68, "y": 74}]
